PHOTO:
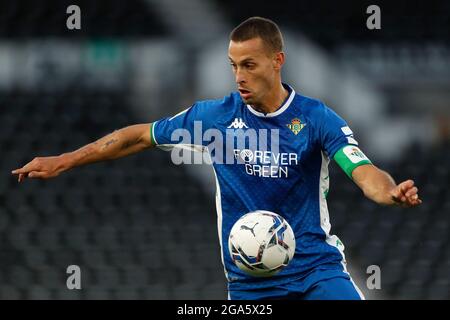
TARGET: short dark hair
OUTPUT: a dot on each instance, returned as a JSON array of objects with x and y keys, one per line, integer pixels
[{"x": 258, "y": 27}]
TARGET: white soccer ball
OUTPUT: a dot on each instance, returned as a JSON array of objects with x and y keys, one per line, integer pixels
[{"x": 261, "y": 243}]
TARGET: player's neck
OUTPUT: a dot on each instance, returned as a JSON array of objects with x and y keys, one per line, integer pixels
[{"x": 273, "y": 100}]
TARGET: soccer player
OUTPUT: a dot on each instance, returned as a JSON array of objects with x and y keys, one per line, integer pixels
[{"x": 287, "y": 175}]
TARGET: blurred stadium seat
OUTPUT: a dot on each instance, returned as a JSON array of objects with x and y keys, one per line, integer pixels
[{"x": 131, "y": 235}]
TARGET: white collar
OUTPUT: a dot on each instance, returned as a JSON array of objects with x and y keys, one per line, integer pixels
[{"x": 279, "y": 111}]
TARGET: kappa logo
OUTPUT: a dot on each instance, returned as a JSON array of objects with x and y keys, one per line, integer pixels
[
  {"x": 238, "y": 123},
  {"x": 296, "y": 125}
]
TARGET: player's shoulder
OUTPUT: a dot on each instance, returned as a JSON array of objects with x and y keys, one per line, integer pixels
[
  {"x": 313, "y": 109},
  {"x": 231, "y": 99},
  {"x": 219, "y": 106}
]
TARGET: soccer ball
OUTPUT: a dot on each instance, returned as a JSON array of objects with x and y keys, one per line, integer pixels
[{"x": 261, "y": 243}]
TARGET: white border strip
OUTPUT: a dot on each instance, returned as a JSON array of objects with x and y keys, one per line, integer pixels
[
  {"x": 325, "y": 219},
  {"x": 179, "y": 113},
  {"x": 219, "y": 222},
  {"x": 153, "y": 132}
]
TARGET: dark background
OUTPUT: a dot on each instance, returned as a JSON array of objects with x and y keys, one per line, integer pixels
[{"x": 143, "y": 228}]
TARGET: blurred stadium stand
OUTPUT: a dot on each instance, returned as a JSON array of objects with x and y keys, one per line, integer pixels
[
  {"x": 410, "y": 246},
  {"x": 101, "y": 18},
  {"x": 138, "y": 228},
  {"x": 142, "y": 228},
  {"x": 330, "y": 24}
]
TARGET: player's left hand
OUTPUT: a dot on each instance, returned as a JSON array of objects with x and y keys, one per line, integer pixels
[{"x": 406, "y": 194}]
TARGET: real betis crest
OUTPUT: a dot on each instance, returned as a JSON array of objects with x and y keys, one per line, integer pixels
[{"x": 296, "y": 125}]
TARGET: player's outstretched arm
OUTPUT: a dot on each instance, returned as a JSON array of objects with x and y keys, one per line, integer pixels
[
  {"x": 379, "y": 186},
  {"x": 115, "y": 145}
]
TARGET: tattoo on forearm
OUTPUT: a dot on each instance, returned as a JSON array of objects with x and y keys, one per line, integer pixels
[{"x": 108, "y": 143}]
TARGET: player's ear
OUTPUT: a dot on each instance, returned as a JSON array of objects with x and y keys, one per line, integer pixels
[{"x": 278, "y": 60}]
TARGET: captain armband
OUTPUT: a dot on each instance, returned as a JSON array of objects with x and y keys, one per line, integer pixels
[{"x": 349, "y": 158}]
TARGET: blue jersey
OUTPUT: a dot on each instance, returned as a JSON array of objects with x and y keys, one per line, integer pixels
[{"x": 289, "y": 177}]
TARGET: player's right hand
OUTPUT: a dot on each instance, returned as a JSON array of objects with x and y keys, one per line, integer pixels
[{"x": 40, "y": 168}]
